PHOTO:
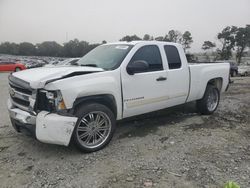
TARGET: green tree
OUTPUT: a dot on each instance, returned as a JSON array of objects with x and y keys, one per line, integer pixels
[
  {"x": 26, "y": 48},
  {"x": 129, "y": 38},
  {"x": 187, "y": 40},
  {"x": 9, "y": 48},
  {"x": 71, "y": 48},
  {"x": 208, "y": 45},
  {"x": 227, "y": 39},
  {"x": 242, "y": 41},
  {"x": 83, "y": 48},
  {"x": 174, "y": 36},
  {"x": 49, "y": 48},
  {"x": 146, "y": 37},
  {"x": 76, "y": 48}
]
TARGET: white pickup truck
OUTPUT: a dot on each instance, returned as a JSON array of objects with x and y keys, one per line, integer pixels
[{"x": 82, "y": 102}]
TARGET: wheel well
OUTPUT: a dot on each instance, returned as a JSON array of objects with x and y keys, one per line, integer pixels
[
  {"x": 217, "y": 82},
  {"x": 17, "y": 68},
  {"x": 105, "y": 99}
]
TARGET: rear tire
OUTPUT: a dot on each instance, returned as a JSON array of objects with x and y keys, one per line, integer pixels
[
  {"x": 95, "y": 127},
  {"x": 210, "y": 101}
]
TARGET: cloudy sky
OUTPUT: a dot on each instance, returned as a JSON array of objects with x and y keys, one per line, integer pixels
[{"x": 96, "y": 20}]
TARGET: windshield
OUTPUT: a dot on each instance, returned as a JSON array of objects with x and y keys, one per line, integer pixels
[{"x": 108, "y": 57}]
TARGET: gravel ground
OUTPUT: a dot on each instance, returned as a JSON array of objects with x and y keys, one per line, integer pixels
[{"x": 171, "y": 148}]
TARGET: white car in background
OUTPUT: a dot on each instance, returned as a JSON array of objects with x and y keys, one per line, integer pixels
[{"x": 244, "y": 70}]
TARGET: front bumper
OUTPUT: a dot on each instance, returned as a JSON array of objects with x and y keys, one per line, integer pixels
[{"x": 47, "y": 127}]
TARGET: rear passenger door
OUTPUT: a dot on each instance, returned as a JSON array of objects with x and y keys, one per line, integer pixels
[{"x": 178, "y": 74}]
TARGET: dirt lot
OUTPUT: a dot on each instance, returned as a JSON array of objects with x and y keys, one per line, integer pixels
[{"x": 171, "y": 148}]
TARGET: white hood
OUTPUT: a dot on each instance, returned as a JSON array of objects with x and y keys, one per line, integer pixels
[{"x": 38, "y": 77}]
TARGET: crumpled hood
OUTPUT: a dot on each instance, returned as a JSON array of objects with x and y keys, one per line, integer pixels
[{"x": 38, "y": 77}]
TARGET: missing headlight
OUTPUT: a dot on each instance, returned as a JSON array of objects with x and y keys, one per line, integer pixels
[{"x": 50, "y": 101}]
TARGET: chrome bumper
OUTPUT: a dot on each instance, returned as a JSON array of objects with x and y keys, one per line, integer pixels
[
  {"x": 20, "y": 115},
  {"x": 48, "y": 127}
]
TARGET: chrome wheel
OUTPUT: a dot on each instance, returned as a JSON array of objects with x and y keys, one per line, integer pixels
[
  {"x": 93, "y": 129},
  {"x": 212, "y": 100}
]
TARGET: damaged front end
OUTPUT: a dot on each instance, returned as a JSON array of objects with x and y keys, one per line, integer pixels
[{"x": 38, "y": 111}]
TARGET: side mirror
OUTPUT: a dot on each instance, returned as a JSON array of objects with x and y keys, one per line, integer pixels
[{"x": 137, "y": 67}]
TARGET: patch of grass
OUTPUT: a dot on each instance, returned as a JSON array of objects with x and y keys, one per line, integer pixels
[{"x": 231, "y": 184}]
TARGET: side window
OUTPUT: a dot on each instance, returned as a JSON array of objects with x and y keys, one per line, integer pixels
[
  {"x": 151, "y": 55},
  {"x": 174, "y": 61}
]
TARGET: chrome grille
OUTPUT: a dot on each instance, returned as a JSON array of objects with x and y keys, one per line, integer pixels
[
  {"x": 21, "y": 94},
  {"x": 22, "y": 90}
]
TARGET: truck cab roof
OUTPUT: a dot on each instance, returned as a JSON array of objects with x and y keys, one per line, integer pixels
[{"x": 143, "y": 42}]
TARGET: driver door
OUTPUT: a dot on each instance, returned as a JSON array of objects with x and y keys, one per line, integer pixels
[{"x": 145, "y": 91}]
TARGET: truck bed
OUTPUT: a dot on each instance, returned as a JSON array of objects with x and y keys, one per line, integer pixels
[{"x": 201, "y": 73}]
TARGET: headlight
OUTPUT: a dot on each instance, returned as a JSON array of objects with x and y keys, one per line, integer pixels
[
  {"x": 50, "y": 95},
  {"x": 60, "y": 105},
  {"x": 55, "y": 99}
]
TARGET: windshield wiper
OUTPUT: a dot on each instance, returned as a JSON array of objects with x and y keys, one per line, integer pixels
[{"x": 89, "y": 65}]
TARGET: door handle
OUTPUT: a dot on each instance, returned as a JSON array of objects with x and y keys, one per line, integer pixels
[{"x": 161, "y": 78}]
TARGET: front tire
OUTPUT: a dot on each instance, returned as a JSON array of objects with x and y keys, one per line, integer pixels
[
  {"x": 95, "y": 127},
  {"x": 210, "y": 101}
]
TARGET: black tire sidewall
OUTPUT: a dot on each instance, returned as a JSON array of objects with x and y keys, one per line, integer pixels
[{"x": 85, "y": 109}]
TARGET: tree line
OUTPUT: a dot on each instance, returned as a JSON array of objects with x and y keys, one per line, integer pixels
[
  {"x": 173, "y": 36},
  {"x": 73, "y": 48},
  {"x": 232, "y": 38},
  {"x": 76, "y": 48}
]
